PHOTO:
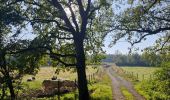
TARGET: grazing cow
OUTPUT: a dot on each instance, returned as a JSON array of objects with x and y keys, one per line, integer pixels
[
  {"x": 54, "y": 78},
  {"x": 33, "y": 78},
  {"x": 29, "y": 79}
]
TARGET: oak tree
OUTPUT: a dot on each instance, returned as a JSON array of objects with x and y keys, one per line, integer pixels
[{"x": 70, "y": 29}]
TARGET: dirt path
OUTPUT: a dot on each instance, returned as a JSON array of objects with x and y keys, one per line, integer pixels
[
  {"x": 117, "y": 94},
  {"x": 118, "y": 82}
]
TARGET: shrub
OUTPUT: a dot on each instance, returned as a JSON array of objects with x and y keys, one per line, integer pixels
[{"x": 159, "y": 87}]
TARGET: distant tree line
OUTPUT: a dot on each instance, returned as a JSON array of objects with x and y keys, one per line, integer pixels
[
  {"x": 130, "y": 60},
  {"x": 134, "y": 59}
]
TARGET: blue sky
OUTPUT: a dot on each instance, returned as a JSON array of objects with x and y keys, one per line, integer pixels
[{"x": 122, "y": 45}]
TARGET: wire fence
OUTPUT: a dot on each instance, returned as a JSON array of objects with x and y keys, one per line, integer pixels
[
  {"x": 139, "y": 77},
  {"x": 134, "y": 75}
]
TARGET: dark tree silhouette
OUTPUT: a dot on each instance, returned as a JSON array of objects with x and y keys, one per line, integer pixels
[{"x": 68, "y": 29}]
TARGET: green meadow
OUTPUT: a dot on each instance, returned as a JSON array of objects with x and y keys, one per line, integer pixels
[{"x": 140, "y": 72}]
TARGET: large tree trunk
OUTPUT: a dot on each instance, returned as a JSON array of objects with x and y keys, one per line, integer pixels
[
  {"x": 81, "y": 71},
  {"x": 10, "y": 86},
  {"x": 8, "y": 79}
]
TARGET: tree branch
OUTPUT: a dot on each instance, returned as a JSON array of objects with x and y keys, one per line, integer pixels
[
  {"x": 63, "y": 16},
  {"x": 73, "y": 17},
  {"x": 165, "y": 19},
  {"x": 81, "y": 9},
  {"x": 164, "y": 43},
  {"x": 88, "y": 6},
  {"x": 151, "y": 5},
  {"x": 42, "y": 47},
  {"x": 93, "y": 10},
  {"x": 58, "y": 59},
  {"x": 49, "y": 21},
  {"x": 149, "y": 32}
]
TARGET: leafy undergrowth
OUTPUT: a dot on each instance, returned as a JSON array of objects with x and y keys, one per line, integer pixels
[
  {"x": 153, "y": 90},
  {"x": 102, "y": 89},
  {"x": 127, "y": 94},
  {"x": 159, "y": 87}
]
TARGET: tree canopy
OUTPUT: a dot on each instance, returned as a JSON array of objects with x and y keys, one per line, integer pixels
[
  {"x": 141, "y": 19},
  {"x": 69, "y": 30},
  {"x": 14, "y": 63}
]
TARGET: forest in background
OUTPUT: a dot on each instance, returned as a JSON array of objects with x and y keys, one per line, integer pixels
[{"x": 133, "y": 59}]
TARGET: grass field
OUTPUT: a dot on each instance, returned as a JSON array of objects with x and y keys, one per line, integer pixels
[
  {"x": 48, "y": 72},
  {"x": 142, "y": 72},
  {"x": 100, "y": 87}
]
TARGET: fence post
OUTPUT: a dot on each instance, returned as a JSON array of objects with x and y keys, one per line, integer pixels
[
  {"x": 93, "y": 77},
  {"x": 75, "y": 96},
  {"x": 89, "y": 78},
  {"x": 132, "y": 74},
  {"x": 75, "y": 82},
  {"x": 58, "y": 89},
  {"x": 143, "y": 76}
]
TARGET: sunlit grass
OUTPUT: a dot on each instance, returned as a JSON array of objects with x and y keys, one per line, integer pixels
[
  {"x": 141, "y": 72},
  {"x": 46, "y": 73},
  {"x": 99, "y": 87},
  {"x": 127, "y": 94},
  {"x": 102, "y": 89}
]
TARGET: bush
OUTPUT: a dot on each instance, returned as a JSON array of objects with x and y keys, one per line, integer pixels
[{"x": 159, "y": 87}]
